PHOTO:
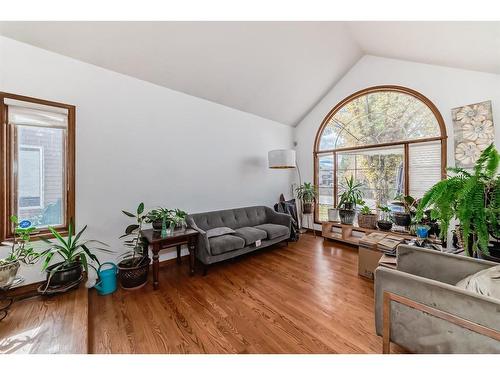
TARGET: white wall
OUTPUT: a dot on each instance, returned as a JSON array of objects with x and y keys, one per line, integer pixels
[
  {"x": 446, "y": 87},
  {"x": 137, "y": 142}
]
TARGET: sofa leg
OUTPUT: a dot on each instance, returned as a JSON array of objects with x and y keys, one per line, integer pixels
[{"x": 205, "y": 269}]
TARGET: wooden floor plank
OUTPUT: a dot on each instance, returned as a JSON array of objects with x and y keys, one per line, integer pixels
[{"x": 302, "y": 298}]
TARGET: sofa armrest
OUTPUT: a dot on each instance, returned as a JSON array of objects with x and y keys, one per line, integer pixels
[
  {"x": 203, "y": 246},
  {"x": 439, "y": 266},
  {"x": 274, "y": 217},
  {"x": 423, "y": 333}
]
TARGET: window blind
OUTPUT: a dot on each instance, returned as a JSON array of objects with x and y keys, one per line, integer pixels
[{"x": 425, "y": 167}]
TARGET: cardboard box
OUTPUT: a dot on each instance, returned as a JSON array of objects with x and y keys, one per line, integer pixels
[{"x": 368, "y": 261}]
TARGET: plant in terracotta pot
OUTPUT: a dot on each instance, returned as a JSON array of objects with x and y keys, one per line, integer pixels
[
  {"x": 351, "y": 194},
  {"x": 76, "y": 255},
  {"x": 307, "y": 193},
  {"x": 133, "y": 268},
  {"x": 366, "y": 218},
  {"x": 409, "y": 205},
  {"x": 21, "y": 252},
  {"x": 384, "y": 222}
]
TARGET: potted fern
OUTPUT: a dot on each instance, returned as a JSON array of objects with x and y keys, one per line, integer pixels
[
  {"x": 350, "y": 195},
  {"x": 307, "y": 193},
  {"x": 473, "y": 198}
]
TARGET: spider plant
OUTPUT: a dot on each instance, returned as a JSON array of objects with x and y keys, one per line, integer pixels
[
  {"x": 351, "y": 193},
  {"x": 72, "y": 250}
]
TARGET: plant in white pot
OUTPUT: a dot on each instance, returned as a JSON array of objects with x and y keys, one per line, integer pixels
[{"x": 21, "y": 252}]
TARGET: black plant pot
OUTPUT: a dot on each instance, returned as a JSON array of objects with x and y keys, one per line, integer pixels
[
  {"x": 402, "y": 219},
  {"x": 157, "y": 224},
  {"x": 494, "y": 255},
  {"x": 384, "y": 225},
  {"x": 307, "y": 208},
  {"x": 133, "y": 277},
  {"x": 65, "y": 275},
  {"x": 346, "y": 216}
]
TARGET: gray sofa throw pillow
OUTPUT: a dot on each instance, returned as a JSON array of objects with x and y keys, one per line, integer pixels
[
  {"x": 220, "y": 231},
  {"x": 485, "y": 282}
]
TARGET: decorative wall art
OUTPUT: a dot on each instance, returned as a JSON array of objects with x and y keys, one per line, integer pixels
[{"x": 474, "y": 131}]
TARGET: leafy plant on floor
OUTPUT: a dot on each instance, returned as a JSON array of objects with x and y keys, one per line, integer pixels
[
  {"x": 72, "y": 250},
  {"x": 135, "y": 256},
  {"x": 471, "y": 197}
]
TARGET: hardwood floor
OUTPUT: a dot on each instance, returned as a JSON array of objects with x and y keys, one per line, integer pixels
[{"x": 304, "y": 298}]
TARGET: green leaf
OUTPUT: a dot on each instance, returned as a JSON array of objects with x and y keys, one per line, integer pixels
[
  {"x": 131, "y": 228},
  {"x": 70, "y": 233},
  {"x": 47, "y": 260},
  {"x": 79, "y": 234},
  {"x": 140, "y": 209},
  {"x": 128, "y": 213},
  {"x": 58, "y": 236},
  {"x": 83, "y": 259}
]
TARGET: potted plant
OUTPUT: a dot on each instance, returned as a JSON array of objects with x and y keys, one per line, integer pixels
[
  {"x": 76, "y": 256},
  {"x": 366, "y": 218},
  {"x": 409, "y": 204},
  {"x": 384, "y": 223},
  {"x": 21, "y": 252},
  {"x": 307, "y": 193},
  {"x": 347, "y": 204},
  {"x": 473, "y": 198},
  {"x": 133, "y": 269},
  {"x": 164, "y": 217}
]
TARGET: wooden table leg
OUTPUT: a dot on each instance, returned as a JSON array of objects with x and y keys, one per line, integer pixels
[
  {"x": 178, "y": 254},
  {"x": 156, "y": 266},
  {"x": 192, "y": 252}
]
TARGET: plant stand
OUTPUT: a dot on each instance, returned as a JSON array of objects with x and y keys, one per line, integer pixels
[{"x": 6, "y": 301}]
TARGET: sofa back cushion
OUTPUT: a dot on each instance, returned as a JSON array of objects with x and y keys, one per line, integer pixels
[{"x": 234, "y": 218}]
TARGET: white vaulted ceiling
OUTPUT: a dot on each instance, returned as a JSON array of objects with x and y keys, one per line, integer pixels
[{"x": 276, "y": 70}]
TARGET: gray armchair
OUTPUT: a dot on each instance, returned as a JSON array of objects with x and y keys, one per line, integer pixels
[{"x": 419, "y": 307}]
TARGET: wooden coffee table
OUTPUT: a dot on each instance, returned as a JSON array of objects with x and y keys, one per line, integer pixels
[{"x": 179, "y": 237}]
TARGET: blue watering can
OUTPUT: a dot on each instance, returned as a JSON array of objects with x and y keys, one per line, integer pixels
[{"x": 106, "y": 283}]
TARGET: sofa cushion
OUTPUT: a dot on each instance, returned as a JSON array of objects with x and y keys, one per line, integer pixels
[
  {"x": 485, "y": 282},
  {"x": 219, "y": 231},
  {"x": 250, "y": 235},
  {"x": 225, "y": 243},
  {"x": 274, "y": 230}
]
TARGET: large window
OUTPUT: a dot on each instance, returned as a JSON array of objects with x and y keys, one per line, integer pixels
[
  {"x": 37, "y": 163},
  {"x": 391, "y": 139}
]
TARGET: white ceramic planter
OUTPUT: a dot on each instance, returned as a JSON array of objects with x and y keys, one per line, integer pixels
[{"x": 333, "y": 214}]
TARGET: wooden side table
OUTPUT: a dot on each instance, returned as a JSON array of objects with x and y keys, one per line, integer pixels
[{"x": 179, "y": 237}]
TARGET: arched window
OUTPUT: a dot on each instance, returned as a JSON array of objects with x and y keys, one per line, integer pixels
[{"x": 390, "y": 138}]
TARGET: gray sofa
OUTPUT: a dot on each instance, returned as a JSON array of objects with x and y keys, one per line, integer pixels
[
  {"x": 432, "y": 314},
  {"x": 250, "y": 224}
]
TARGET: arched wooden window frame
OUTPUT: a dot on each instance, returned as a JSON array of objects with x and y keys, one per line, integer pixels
[{"x": 370, "y": 90}]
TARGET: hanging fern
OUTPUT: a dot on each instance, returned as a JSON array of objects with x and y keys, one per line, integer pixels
[{"x": 471, "y": 197}]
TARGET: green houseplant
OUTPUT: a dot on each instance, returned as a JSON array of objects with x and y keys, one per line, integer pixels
[
  {"x": 351, "y": 194},
  {"x": 75, "y": 253},
  {"x": 366, "y": 218},
  {"x": 21, "y": 252},
  {"x": 169, "y": 218},
  {"x": 409, "y": 205},
  {"x": 471, "y": 197},
  {"x": 384, "y": 222},
  {"x": 307, "y": 193},
  {"x": 133, "y": 268}
]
